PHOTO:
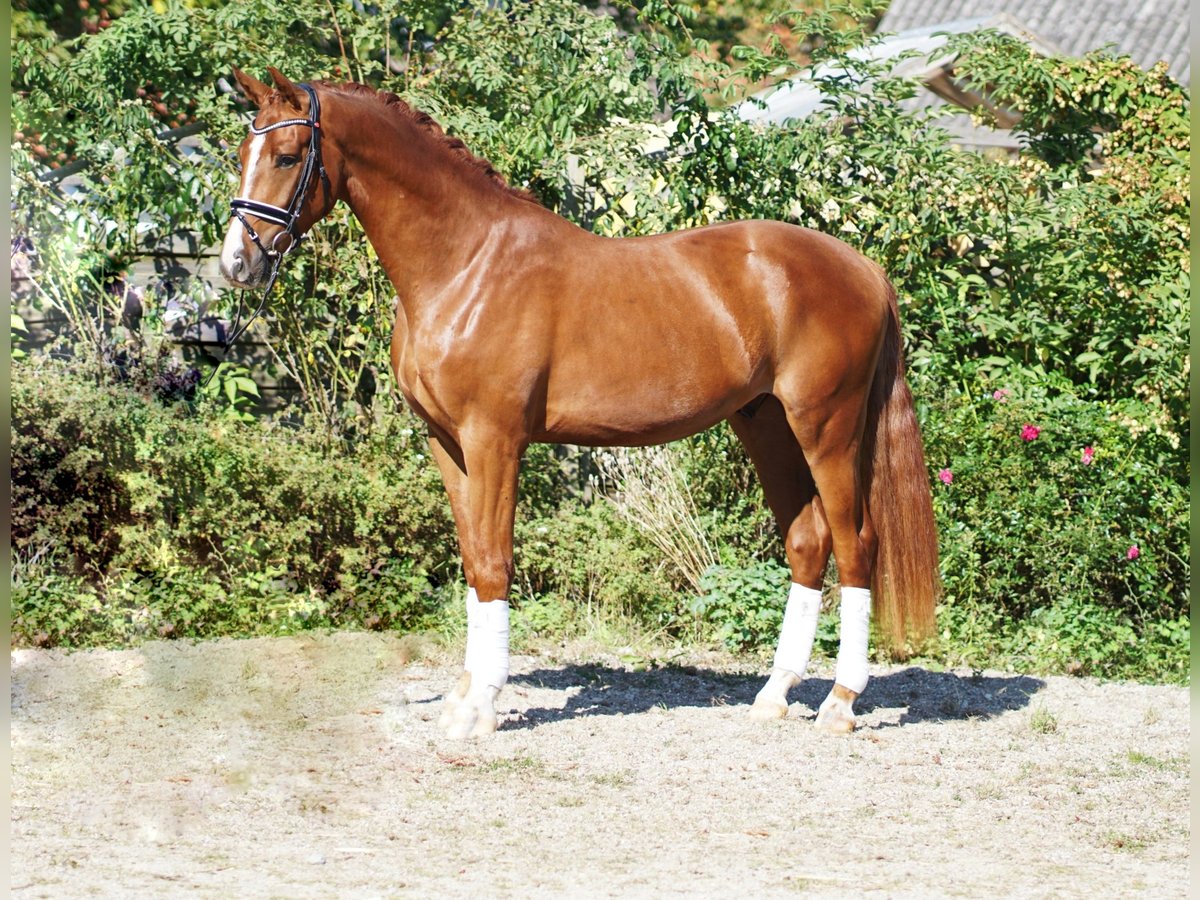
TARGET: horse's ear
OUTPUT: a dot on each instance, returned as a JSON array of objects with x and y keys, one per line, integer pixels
[
  {"x": 292, "y": 94},
  {"x": 254, "y": 89}
]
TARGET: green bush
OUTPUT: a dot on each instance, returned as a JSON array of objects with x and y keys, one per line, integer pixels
[
  {"x": 744, "y": 603},
  {"x": 1059, "y": 511},
  {"x": 584, "y": 555},
  {"x": 1062, "y": 487},
  {"x": 193, "y": 523}
]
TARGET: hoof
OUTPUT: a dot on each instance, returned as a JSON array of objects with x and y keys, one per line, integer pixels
[
  {"x": 485, "y": 724},
  {"x": 453, "y": 700},
  {"x": 771, "y": 702},
  {"x": 765, "y": 710},
  {"x": 832, "y": 722},
  {"x": 462, "y": 723},
  {"x": 469, "y": 722},
  {"x": 836, "y": 715},
  {"x": 475, "y": 716}
]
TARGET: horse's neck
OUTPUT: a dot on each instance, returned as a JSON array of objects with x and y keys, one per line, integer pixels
[{"x": 426, "y": 222}]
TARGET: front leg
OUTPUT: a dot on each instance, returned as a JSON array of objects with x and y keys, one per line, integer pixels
[
  {"x": 448, "y": 456},
  {"x": 492, "y": 460}
]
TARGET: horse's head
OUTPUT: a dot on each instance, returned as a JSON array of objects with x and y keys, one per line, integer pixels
[{"x": 285, "y": 188}]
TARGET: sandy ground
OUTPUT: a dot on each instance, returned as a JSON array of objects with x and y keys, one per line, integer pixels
[{"x": 312, "y": 767}]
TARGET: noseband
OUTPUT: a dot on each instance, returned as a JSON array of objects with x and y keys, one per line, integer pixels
[{"x": 289, "y": 217}]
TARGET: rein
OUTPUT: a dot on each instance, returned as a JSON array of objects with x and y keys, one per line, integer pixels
[{"x": 288, "y": 218}]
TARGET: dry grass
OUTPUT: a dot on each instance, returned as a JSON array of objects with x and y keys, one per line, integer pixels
[{"x": 651, "y": 492}]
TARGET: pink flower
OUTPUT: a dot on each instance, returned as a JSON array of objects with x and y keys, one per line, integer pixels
[
  {"x": 1088, "y": 455},
  {"x": 1133, "y": 552},
  {"x": 945, "y": 476},
  {"x": 1030, "y": 432},
  {"x": 1001, "y": 396}
]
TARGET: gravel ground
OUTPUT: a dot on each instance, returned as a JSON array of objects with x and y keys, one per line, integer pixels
[{"x": 312, "y": 767}]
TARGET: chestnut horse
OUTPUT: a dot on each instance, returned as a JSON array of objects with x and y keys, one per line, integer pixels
[{"x": 516, "y": 326}]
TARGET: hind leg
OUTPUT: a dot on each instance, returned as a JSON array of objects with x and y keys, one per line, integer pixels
[
  {"x": 791, "y": 494},
  {"x": 831, "y": 447}
]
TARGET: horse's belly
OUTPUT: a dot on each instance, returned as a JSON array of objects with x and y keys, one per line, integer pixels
[{"x": 632, "y": 404}]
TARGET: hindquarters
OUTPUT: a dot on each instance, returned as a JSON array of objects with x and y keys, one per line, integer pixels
[{"x": 840, "y": 377}]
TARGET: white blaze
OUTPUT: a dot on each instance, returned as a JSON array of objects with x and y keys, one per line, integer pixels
[{"x": 232, "y": 246}]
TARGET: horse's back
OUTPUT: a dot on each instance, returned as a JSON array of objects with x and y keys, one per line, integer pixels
[{"x": 786, "y": 291}]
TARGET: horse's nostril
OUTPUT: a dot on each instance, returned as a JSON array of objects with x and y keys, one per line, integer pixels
[{"x": 233, "y": 265}]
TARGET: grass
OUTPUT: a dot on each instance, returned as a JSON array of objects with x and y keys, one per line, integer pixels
[
  {"x": 1129, "y": 842},
  {"x": 517, "y": 764},
  {"x": 1042, "y": 721},
  {"x": 621, "y": 779},
  {"x": 989, "y": 792},
  {"x": 1170, "y": 764}
]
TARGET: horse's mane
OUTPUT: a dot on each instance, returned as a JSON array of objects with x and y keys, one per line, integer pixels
[{"x": 454, "y": 146}]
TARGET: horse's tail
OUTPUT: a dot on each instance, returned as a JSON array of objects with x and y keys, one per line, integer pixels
[{"x": 906, "y": 584}]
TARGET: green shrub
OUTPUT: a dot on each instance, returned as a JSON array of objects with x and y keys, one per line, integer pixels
[
  {"x": 744, "y": 604},
  {"x": 1051, "y": 495},
  {"x": 1063, "y": 282},
  {"x": 727, "y": 492},
  {"x": 587, "y": 557},
  {"x": 211, "y": 524},
  {"x": 1064, "y": 529}
]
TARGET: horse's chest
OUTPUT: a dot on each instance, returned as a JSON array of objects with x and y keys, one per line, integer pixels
[{"x": 425, "y": 378}]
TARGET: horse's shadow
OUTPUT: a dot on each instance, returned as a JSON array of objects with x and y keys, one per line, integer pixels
[{"x": 924, "y": 696}]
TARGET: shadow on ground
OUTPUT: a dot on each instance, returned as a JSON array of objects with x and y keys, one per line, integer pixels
[{"x": 925, "y": 696}]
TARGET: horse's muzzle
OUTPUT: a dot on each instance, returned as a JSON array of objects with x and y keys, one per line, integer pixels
[{"x": 241, "y": 267}]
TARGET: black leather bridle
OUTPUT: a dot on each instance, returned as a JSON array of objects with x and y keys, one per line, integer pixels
[{"x": 288, "y": 217}]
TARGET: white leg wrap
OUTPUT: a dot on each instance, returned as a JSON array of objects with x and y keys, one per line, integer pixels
[
  {"x": 487, "y": 647},
  {"x": 791, "y": 655},
  {"x": 852, "y": 670},
  {"x": 487, "y": 663},
  {"x": 799, "y": 629},
  {"x": 472, "y": 630}
]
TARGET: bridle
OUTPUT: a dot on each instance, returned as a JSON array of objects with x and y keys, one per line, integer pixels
[{"x": 288, "y": 218}]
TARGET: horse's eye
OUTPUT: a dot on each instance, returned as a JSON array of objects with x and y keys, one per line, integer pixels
[{"x": 285, "y": 161}]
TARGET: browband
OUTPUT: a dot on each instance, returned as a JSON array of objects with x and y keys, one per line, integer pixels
[{"x": 254, "y": 129}]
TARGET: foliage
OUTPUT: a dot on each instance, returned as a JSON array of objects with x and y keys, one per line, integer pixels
[
  {"x": 743, "y": 603},
  {"x": 126, "y": 507},
  {"x": 1064, "y": 531},
  {"x": 1069, "y": 503},
  {"x": 586, "y": 557},
  {"x": 1057, "y": 278}
]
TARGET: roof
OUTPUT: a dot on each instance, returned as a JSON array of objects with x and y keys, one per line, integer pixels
[
  {"x": 1146, "y": 30},
  {"x": 919, "y": 53}
]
